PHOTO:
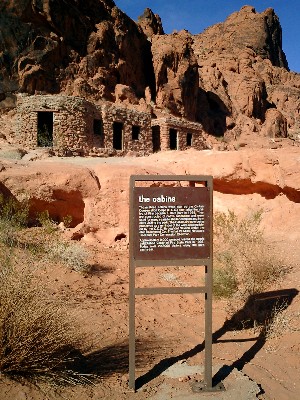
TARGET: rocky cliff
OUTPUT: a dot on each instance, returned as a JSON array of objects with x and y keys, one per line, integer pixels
[
  {"x": 233, "y": 77},
  {"x": 79, "y": 48}
]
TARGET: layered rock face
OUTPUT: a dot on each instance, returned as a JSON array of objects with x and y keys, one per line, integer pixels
[{"x": 232, "y": 78}]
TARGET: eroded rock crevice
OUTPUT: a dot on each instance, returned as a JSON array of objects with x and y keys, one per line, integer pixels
[
  {"x": 62, "y": 206},
  {"x": 245, "y": 187}
]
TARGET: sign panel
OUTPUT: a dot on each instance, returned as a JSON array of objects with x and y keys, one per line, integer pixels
[
  {"x": 171, "y": 223},
  {"x": 171, "y": 226}
]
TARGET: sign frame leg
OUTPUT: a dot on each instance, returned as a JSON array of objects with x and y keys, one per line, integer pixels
[{"x": 132, "y": 326}]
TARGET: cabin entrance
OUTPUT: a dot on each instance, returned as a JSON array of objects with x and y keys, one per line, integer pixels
[
  {"x": 156, "y": 139},
  {"x": 118, "y": 135},
  {"x": 173, "y": 139},
  {"x": 45, "y": 129},
  {"x": 98, "y": 133}
]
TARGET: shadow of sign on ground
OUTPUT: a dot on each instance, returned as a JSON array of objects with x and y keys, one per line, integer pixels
[{"x": 257, "y": 309}]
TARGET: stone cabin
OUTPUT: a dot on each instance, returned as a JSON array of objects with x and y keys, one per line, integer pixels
[
  {"x": 73, "y": 126},
  {"x": 176, "y": 134}
]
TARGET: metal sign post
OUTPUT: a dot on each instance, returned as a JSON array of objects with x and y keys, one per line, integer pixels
[{"x": 171, "y": 226}]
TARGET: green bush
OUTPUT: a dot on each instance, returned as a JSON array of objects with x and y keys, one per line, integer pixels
[{"x": 46, "y": 222}]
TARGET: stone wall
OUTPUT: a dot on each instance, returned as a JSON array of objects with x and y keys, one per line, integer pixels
[
  {"x": 73, "y": 126},
  {"x": 72, "y": 134},
  {"x": 188, "y": 134},
  {"x": 140, "y": 144},
  {"x": 74, "y": 130}
]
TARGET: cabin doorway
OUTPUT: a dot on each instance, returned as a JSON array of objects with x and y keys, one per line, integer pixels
[
  {"x": 45, "y": 129},
  {"x": 173, "y": 139},
  {"x": 118, "y": 135},
  {"x": 189, "y": 139},
  {"x": 156, "y": 139},
  {"x": 98, "y": 133}
]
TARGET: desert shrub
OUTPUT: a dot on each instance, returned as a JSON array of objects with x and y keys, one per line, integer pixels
[
  {"x": 46, "y": 222},
  {"x": 13, "y": 217},
  {"x": 39, "y": 338},
  {"x": 280, "y": 321},
  {"x": 224, "y": 282},
  {"x": 67, "y": 220},
  {"x": 73, "y": 255},
  {"x": 14, "y": 211},
  {"x": 244, "y": 263}
]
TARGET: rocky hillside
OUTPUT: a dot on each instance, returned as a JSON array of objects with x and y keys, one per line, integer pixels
[
  {"x": 80, "y": 48},
  {"x": 233, "y": 77}
]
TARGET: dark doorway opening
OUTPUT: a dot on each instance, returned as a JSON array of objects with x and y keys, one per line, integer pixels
[
  {"x": 45, "y": 129},
  {"x": 98, "y": 132},
  {"x": 135, "y": 132},
  {"x": 173, "y": 139},
  {"x": 118, "y": 136},
  {"x": 189, "y": 139},
  {"x": 156, "y": 139}
]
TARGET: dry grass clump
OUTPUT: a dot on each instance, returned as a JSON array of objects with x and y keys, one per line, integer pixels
[
  {"x": 244, "y": 264},
  {"x": 281, "y": 321},
  {"x": 39, "y": 338},
  {"x": 74, "y": 255}
]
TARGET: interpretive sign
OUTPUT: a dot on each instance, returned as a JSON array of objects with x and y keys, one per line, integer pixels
[
  {"x": 171, "y": 223},
  {"x": 171, "y": 226}
]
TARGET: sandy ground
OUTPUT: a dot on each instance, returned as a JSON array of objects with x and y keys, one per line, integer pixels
[{"x": 170, "y": 334}]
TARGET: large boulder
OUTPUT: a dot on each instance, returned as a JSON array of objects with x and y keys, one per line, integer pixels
[{"x": 275, "y": 124}]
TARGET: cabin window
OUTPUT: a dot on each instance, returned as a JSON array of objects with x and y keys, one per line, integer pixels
[{"x": 135, "y": 132}]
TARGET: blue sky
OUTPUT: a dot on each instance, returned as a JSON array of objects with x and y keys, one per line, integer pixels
[{"x": 196, "y": 15}]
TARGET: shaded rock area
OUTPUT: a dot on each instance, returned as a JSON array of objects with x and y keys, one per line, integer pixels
[
  {"x": 63, "y": 193},
  {"x": 79, "y": 48},
  {"x": 228, "y": 77}
]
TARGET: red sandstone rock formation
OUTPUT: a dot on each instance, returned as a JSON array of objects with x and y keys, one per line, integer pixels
[
  {"x": 96, "y": 192},
  {"x": 150, "y": 23},
  {"x": 176, "y": 74},
  {"x": 243, "y": 72},
  {"x": 80, "y": 48},
  {"x": 228, "y": 78}
]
